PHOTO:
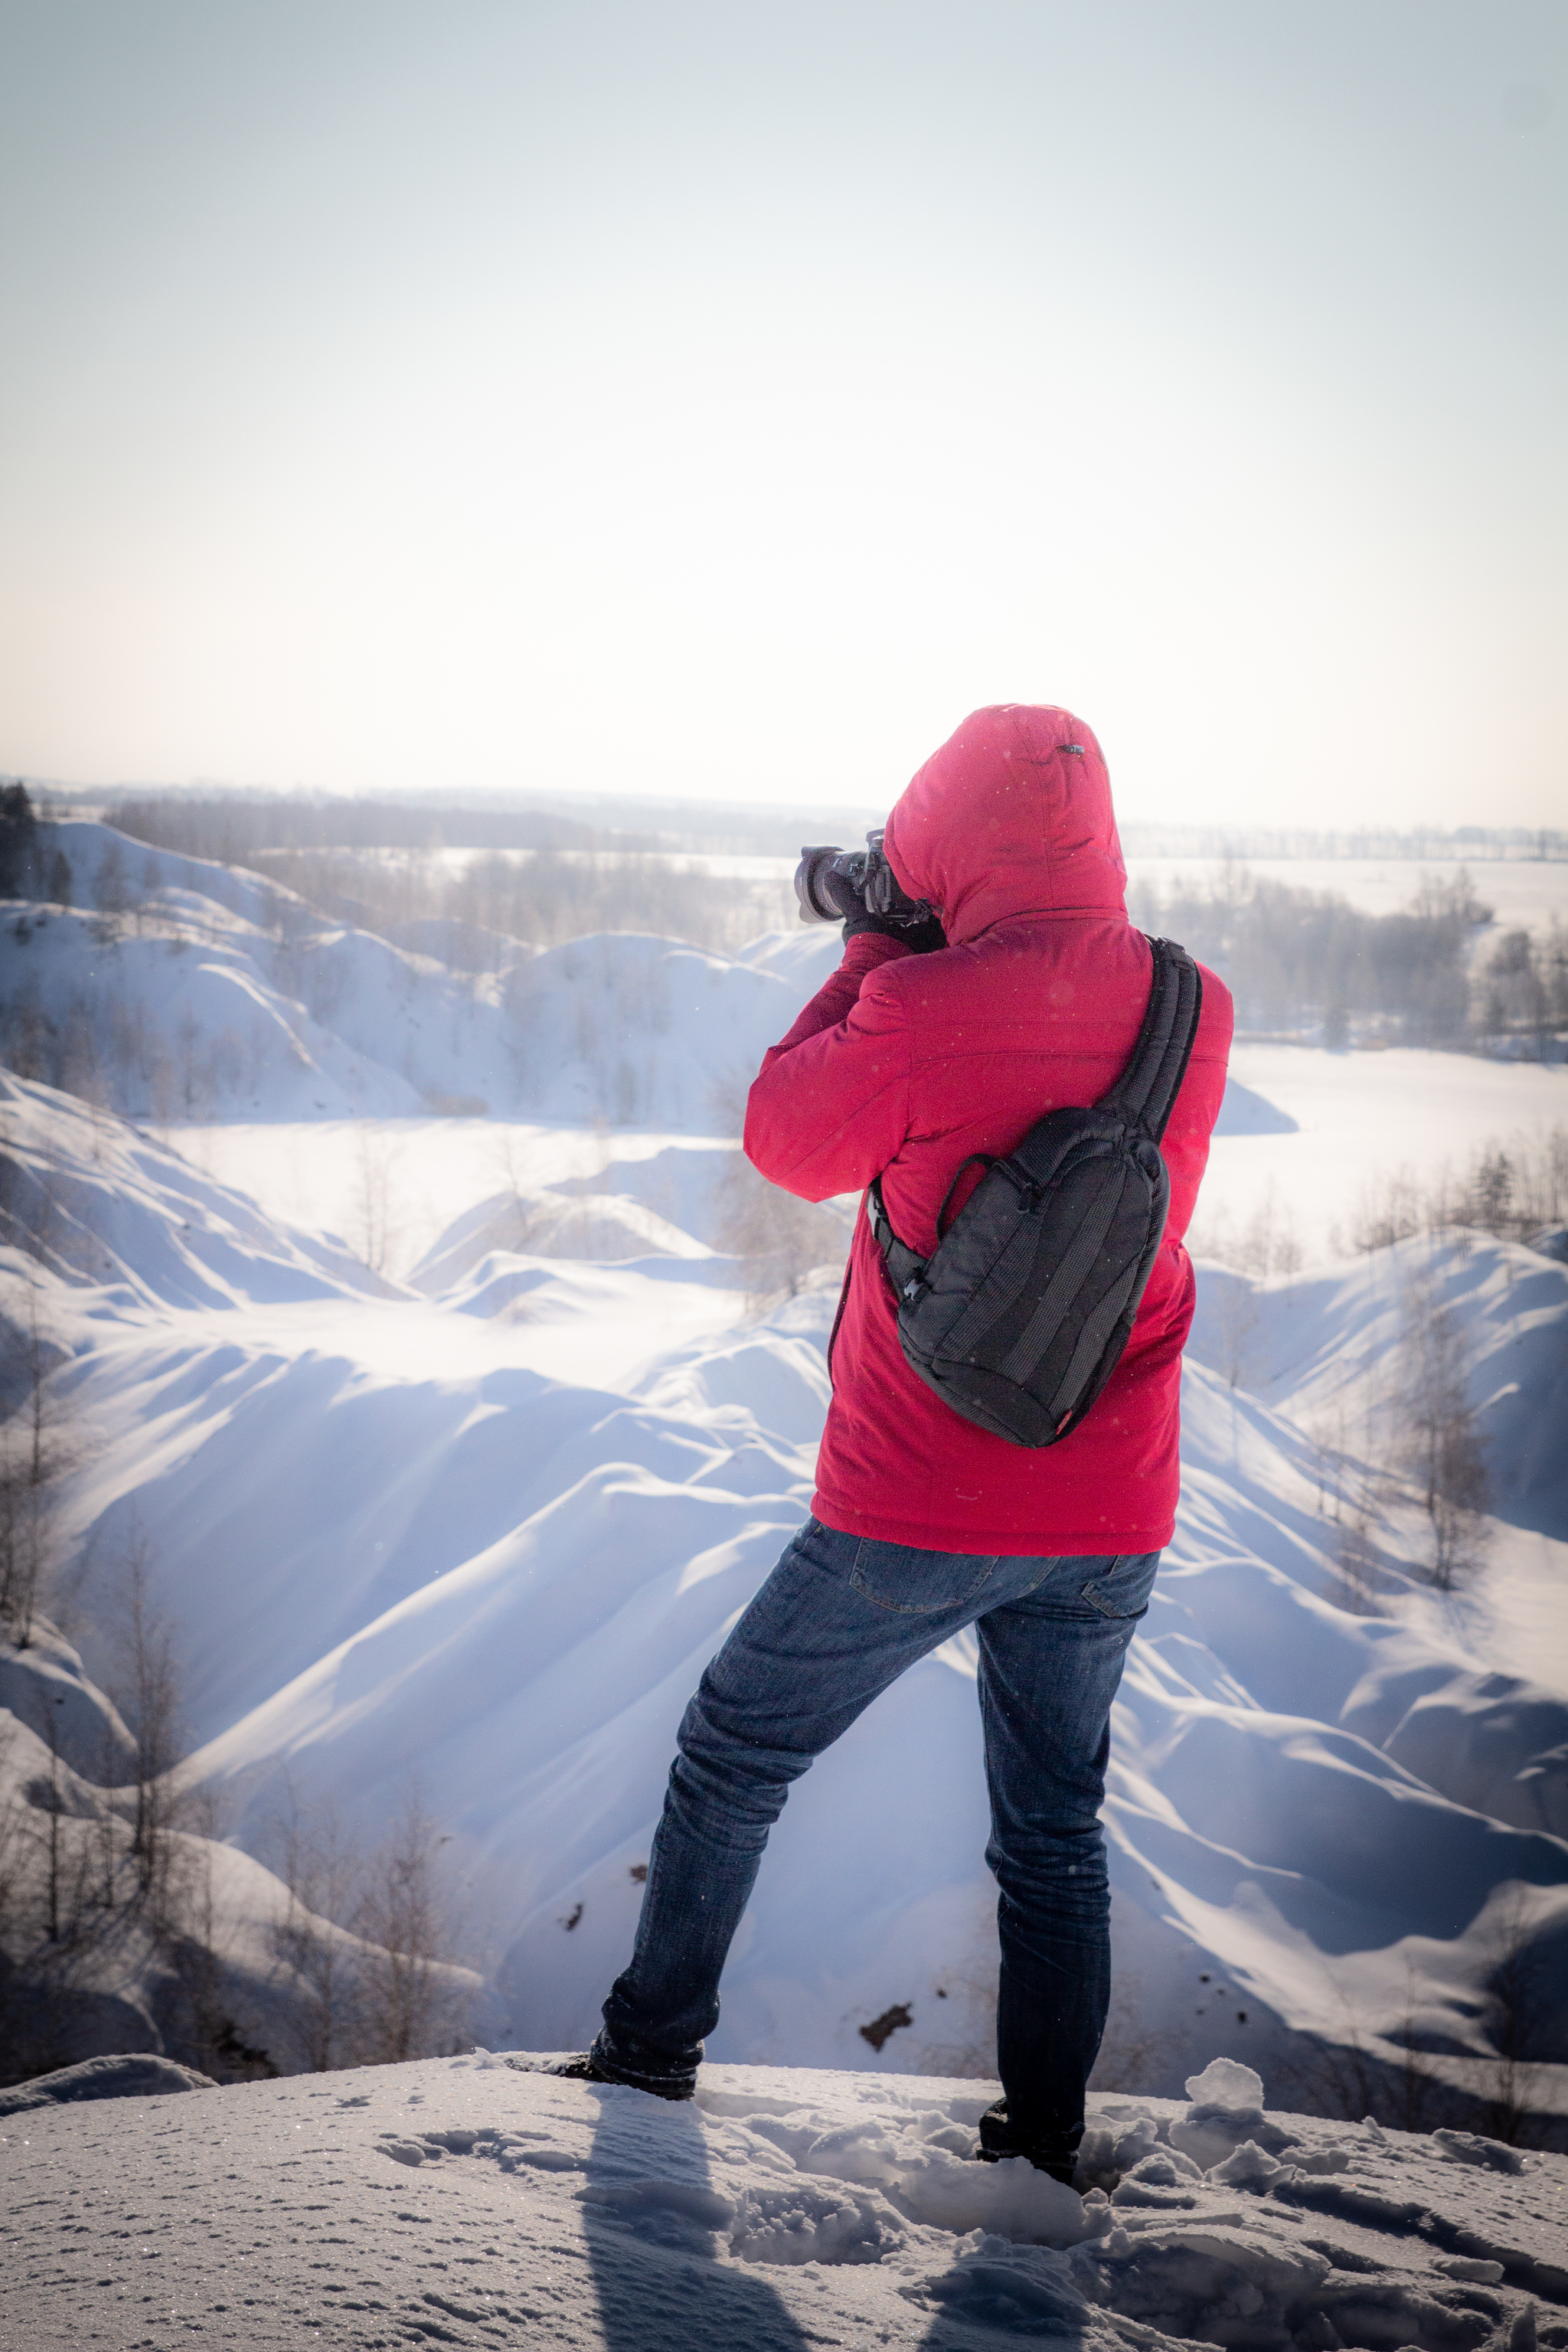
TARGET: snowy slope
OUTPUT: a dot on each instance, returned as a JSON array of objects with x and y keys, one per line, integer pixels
[
  {"x": 184, "y": 990},
  {"x": 494, "y": 1548},
  {"x": 461, "y": 2202},
  {"x": 106, "y": 1969},
  {"x": 99, "y": 1206}
]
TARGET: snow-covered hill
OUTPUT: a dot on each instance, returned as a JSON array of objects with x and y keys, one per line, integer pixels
[
  {"x": 176, "y": 989},
  {"x": 460, "y": 2202},
  {"x": 491, "y": 1550}
]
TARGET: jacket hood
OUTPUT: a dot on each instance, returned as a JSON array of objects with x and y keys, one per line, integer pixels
[{"x": 1012, "y": 816}]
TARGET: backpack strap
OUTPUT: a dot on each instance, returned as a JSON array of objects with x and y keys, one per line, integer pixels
[
  {"x": 905, "y": 1265},
  {"x": 1145, "y": 1093}
]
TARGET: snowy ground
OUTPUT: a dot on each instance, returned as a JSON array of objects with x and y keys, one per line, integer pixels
[
  {"x": 486, "y": 1531},
  {"x": 1305, "y": 1135},
  {"x": 454, "y": 1445},
  {"x": 1342, "y": 1123},
  {"x": 460, "y": 2202}
]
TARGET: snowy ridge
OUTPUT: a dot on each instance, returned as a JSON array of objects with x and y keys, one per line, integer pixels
[
  {"x": 177, "y": 989},
  {"x": 463, "y": 2202},
  {"x": 98, "y": 1204}
]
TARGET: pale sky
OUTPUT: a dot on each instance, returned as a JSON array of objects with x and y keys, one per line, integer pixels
[{"x": 723, "y": 399}]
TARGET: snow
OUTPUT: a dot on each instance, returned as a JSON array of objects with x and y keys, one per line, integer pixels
[
  {"x": 416, "y": 1179},
  {"x": 488, "y": 1528},
  {"x": 462, "y": 2202},
  {"x": 1304, "y": 1136},
  {"x": 1355, "y": 1120},
  {"x": 214, "y": 992},
  {"x": 455, "y": 1445}
]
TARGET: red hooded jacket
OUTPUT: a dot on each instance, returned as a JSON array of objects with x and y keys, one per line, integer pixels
[{"x": 904, "y": 1065}]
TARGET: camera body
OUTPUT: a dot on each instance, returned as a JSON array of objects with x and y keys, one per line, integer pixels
[{"x": 827, "y": 876}]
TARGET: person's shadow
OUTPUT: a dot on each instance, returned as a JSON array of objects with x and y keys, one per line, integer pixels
[{"x": 650, "y": 2216}]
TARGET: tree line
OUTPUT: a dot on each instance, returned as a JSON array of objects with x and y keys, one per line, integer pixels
[{"x": 1307, "y": 965}]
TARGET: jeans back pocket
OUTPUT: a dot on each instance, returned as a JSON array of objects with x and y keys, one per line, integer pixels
[
  {"x": 918, "y": 1583},
  {"x": 1120, "y": 1586}
]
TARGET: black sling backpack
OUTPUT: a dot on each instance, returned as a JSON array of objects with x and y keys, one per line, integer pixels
[{"x": 1019, "y": 1315}]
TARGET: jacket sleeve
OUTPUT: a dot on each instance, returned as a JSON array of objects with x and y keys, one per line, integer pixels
[{"x": 830, "y": 1104}]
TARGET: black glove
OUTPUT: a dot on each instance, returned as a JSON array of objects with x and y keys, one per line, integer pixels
[
  {"x": 840, "y": 892},
  {"x": 924, "y": 939}
]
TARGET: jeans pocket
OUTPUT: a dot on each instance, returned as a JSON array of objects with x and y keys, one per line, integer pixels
[
  {"x": 917, "y": 1583},
  {"x": 1120, "y": 1586}
]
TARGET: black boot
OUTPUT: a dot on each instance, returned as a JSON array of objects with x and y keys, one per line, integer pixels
[
  {"x": 1056, "y": 2153},
  {"x": 587, "y": 2067}
]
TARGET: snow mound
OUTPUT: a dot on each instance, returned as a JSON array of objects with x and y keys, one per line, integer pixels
[
  {"x": 1244, "y": 1112},
  {"x": 138, "y": 2076},
  {"x": 539, "y": 1222},
  {"x": 98, "y": 1203},
  {"x": 463, "y": 2200}
]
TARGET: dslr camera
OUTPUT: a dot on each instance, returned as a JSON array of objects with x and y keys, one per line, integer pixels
[{"x": 828, "y": 878}]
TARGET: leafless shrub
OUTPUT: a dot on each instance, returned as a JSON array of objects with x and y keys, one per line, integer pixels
[
  {"x": 779, "y": 1239},
  {"x": 38, "y": 1448},
  {"x": 375, "y": 1206},
  {"x": 146, "y": 1689},
  {"x": 411, "y": 2005},
  {"x": 321, "y": 1872},
  {"x": 1441, "y": 1442},
  {"x": 1356, "y": 1560},
  {"x": 1267, "y": 1244},
  {"x": 1509, "y": 1189},
  {"x": 1518, "y": 2005}
]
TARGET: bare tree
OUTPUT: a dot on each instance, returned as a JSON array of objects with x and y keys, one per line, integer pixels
[
  {"x": 509, "y": 1156},
  {"x": 1237, "y": 1314},
  {"x": 1415, "y": 2088},
  {"x": 148, "y": 1696},
  {"x": 780, "y": 1239},
  {"x": 36, "y": 1452},
  {"x": 410, "y": 2006},
  {"x": 1519, "y": 2001},
  {"x": 322, "y": 1872},
  {"x": 1356, "y": 1559},
  {"x": 376, "y": 1162},
  {"x": 1441, "y": 1442}
]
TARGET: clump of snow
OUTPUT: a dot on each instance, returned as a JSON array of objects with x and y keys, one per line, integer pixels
[
  {"x": 1228, "y": 2088},
  {"x": 1470, "y": 2147}
]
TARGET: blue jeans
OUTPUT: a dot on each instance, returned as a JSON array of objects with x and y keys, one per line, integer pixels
[{"x": 837, "y": 1621}]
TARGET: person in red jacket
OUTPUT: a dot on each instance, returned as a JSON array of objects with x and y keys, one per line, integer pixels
[{"x": 924, "y": 1048}]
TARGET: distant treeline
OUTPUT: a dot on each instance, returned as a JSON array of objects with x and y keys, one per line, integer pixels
[
  {"x": 472, "y": 916},
  {"x": 1307, "y": 963},
  {"x": 1300, "y": 963},
  {"x": 231, "y": 830},
  {"x": 1476, "y": 842}
]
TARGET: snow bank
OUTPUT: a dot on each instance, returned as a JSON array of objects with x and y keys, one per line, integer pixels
[{"x": 464, "y": 2202}]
